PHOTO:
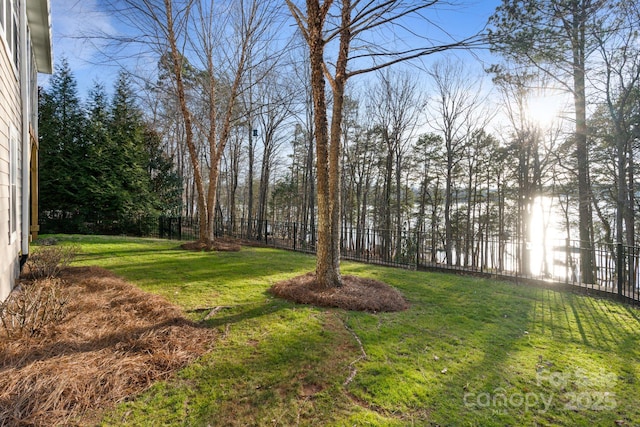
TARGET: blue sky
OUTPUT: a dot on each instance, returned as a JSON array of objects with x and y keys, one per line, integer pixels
[
  {"x": 73, "y": 18},
  {"x": 70, "y": 19}
]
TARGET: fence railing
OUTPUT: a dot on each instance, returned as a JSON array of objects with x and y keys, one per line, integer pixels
[{"x": 616, "y": 267}]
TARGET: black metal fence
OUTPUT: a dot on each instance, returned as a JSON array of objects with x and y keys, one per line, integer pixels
[{"x": 616, "y": 267}]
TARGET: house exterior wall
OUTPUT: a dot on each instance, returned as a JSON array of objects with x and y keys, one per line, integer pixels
[
  {"x": 10, "y": 128},
  {"x": 18, "y": 116}
]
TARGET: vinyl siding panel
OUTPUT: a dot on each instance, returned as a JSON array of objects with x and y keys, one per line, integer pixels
[
  {"x": 10, "y": 117},
  {"x": 12, "y": 239}
]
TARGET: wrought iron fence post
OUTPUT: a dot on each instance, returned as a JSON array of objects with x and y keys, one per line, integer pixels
[
  {"x": 417, "y": 250},
  {"x": 568, "y": 263},
  {"x": 368, "y": 245},
  {"x": 295, "y": 236},
  {"x": 620, "y": 269},
  {"x": 160, "y": 227}
]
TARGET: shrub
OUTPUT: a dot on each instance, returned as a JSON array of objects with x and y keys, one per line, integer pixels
[
  {"x": 31, "y": 308},
  {"x": 47, "y": 261}
]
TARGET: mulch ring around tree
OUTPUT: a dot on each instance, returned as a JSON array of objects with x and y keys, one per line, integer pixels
[
  {"x": 114, "y": 342},
  {"x": 221, "y": 244},
  {"x": 356, "y": 293}
]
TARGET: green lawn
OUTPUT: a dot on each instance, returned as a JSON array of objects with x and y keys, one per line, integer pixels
[{"x": 468, "y": 352}]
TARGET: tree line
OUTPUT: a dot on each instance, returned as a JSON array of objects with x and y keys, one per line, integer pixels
[
  {"x": 258, "y": 125},
  {"x": 102, "y": 166}
]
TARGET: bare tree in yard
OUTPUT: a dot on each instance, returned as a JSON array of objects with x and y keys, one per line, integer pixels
[
  {"x": 454, "y": 108},
  {"x": 214, "y": 39},
  {"x": 350, "y": 23},
  {"x": 274, "y": 108},
  {"x": 395, "y": 106}
]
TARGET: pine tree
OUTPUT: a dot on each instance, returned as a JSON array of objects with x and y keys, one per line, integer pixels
[
  {"x": 166, "y": 184},
  {"x": 102, "y": 172},
  {"x": 128, "y": 157},
  {"x": 62, "y": 150}
]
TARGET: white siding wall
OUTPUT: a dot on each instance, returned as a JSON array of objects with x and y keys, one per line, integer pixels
[{"x": 10, "y": 117}]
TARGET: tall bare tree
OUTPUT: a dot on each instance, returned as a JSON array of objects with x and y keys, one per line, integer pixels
[
  {"x": 395, "y": 105},
  {"x": 453, "y": 109},
  {"x": 274, "y": 106},
  {"x": 212, "y": 39},
  {"x": 351, "y": 30}
]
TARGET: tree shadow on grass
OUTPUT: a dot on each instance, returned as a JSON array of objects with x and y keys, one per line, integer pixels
[
  {"x": 578, "y": 346},
  {"x": 466, "y": 337},
  {"x": 220, "y": 316},
  {"x": 282, "y": 365}
]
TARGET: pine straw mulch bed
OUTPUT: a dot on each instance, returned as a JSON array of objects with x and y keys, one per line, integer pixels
[
  {"x": 356, "y": 293},
  {"x": 114, "y": 342}
]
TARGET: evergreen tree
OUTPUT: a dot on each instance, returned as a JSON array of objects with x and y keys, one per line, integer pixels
[
  {"x": 103, "y": 182},
  {"x": 128, "y": 160},
  {"x": 166, "y": 184},
  {"x": 62, "y": 150},
  {"x": 103, "y": 172}
]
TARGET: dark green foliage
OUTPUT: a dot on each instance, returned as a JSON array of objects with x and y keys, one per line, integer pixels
[
  {"x": 62, "y": 147},
  {"x": 165, "y": 183},
  {"x": 102, "y": 169},
  {"x": 545, "y": 33}
]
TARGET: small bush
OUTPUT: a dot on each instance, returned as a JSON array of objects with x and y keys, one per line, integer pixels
[
  {"x": 47, "y": 261},
  {"x": 30, "y": 309}
]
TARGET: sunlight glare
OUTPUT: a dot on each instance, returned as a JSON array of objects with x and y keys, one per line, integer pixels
[
  {"x": 544, "y": 235},
  {"x": 545, "y": 109}
]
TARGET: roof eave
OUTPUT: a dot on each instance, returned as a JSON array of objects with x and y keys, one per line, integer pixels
[{"x": 39, "y": 18}]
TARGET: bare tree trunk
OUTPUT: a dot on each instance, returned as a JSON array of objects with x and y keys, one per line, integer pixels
[
  {"x": 333, "y": 278},
  {"x": 309, "y": 190},
  {"x": 326, "y": 273},
  {"x": 631, "y": 191},
  {"x": 584, "y": 189},
  {"x": 435, "y": 203},
  {"x": 386, "y": 204},
  {"x": 398, "y": 177},
  {"x": 263, "y": 189},
  {"x": 235, "y": 170},
  {"x": 448, "y": 194},
  {"x": 370, "y": 15},
  {"x": 177, "y": 62},
  {"x": 468, "y": 239},
  {"x": 251, "y": 151}
]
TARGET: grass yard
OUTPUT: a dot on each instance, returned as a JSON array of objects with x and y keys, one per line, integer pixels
[{"x": 467, "y": 352}]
